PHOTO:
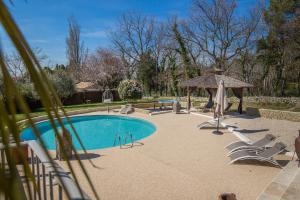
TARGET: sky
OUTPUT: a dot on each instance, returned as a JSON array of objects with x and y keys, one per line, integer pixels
[{"x": 45, "y": 22}]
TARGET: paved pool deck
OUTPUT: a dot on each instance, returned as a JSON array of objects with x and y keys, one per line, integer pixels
[
  {"x": 255, "y": 128},
  {"x": 178, "y": 161}
]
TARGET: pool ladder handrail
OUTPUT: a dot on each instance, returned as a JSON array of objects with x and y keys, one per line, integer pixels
[
  {"x": 119, "y": 138},
  {"x": 131, "y": 137}
]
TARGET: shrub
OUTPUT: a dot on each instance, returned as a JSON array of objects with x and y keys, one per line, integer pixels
[
  {"x": 130, "y": 90},
  {"x": 25, "y": 88},
  {"x": 63, "y": 84},
  {"x": 28, "y": 91}
]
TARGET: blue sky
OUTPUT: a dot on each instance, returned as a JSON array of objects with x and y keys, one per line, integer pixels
[{"x": 44, "y": 22}]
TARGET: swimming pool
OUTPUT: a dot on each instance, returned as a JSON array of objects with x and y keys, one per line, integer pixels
[
  {"x": 167, "y": 101},
  {"x": 95, "y": 131}
]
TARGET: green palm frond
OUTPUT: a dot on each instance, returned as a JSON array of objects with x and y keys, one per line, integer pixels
[{"x": 14, "y": 101}]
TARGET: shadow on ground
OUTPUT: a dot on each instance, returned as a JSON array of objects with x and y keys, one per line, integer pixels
[
  {"x": 237, "y": 115},
  {"x": 282, "y": 163},
  {"x": 87, "y": 156},
  {"x": 249, "y": 131}
]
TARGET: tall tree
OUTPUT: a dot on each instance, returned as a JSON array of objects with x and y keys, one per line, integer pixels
[
  {"x": 133, "y": 37},
  {"x": 182, "y": 50},
  {"x": 104, "y": 68},
  {"x": 16, "y": 65},
  {"x": 76, "y": 53},
  {"x": 280, "y": 48},
  {"x": 219, "y": 32},
  {"x": 173, "y": 72},
  {"x": 146, "y": 72},
  {"x": 189, "y": 72}
]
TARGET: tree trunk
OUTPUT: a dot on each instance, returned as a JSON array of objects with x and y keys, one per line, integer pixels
[{"x": 283, "y": 84}]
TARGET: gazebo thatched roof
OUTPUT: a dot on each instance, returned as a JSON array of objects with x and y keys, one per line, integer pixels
[
  {"x": 82, "y": 86},
  {"x": 212, "y": 81}
]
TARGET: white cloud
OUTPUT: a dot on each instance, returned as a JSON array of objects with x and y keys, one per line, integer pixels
[
  {"x": 95, "y": 34},
  {"x": 41, "y": 41}
]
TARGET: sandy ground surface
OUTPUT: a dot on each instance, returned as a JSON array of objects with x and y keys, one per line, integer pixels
[
  {"x": 178, "y": 161},
  {"x": 256, "y": 127}
]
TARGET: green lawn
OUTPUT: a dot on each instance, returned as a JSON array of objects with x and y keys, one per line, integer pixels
[{"x": 40, "y": 111}]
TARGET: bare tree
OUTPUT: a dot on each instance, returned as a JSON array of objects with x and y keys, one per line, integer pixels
[
  {"x": 159, "y": 45},
  {"x": 217, "y": 30},
  {"x": 76, "y": 52},
  {"x": 16, "y": 66},
  {"x": 104, "y": 68},
  {"x": 173, "y": 73},
  {"x": 133, "y": 38}
]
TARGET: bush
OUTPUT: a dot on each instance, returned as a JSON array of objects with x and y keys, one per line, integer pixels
[
  {"x": 63, "y": 84},
  {"x": 28, "y": 91},
  {"x": 130, "y": 90}
]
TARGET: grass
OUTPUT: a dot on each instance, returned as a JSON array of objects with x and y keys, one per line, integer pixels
[
  {"x": 273, "y": 106},
  {"x": 40, "y": 111}
]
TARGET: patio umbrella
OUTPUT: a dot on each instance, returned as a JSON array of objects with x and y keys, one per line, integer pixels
[
  {"x": 222, "y": 103},
  {"x": 221, "y": 99}
]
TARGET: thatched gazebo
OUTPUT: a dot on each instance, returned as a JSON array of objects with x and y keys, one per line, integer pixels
[
  {"x": 210, "y": 82},
  {"x": 85, "y": 86},
  {"x": 88, "y": 89}
]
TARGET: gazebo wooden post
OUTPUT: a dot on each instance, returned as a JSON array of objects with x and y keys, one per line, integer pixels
[
  {"x": 188, "y": 107},
  {"x": 210, "y": 99},
  {"x": 241, "y": 103},
  {"x": 84, "y": 99},
  {"x": 238, "y": 92},
  {"x": 241, "y": 106}
]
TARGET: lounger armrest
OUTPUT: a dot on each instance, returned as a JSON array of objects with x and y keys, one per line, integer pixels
[
  {"x": 246, "y": 148},
  {"x": 236, "y": 144}
]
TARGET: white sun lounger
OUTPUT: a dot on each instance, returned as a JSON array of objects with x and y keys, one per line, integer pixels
[
  {"x": 126, "y": 109},
  {"x": 262, "y": 156},
  {"x": 258, "y": 145},
  {"x": 211, "y": 124}
]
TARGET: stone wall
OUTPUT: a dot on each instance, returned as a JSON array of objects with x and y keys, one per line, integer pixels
[
  {"x": 151, "y": 105},
  {"x": 255, "y": 99},
  {"x": 265, "y": 99},
  {"x": 274, "y": 114}
]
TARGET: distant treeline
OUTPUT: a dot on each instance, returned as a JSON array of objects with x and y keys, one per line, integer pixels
[{"x": 260, "y": 46}]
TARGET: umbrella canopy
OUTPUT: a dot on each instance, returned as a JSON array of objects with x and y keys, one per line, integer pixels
[
  {"x": 221, "y": 99},
  {"x": 213, "y": 80}
]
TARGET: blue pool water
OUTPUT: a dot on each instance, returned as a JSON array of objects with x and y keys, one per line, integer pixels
[
  {"x": 167, "y": 101},
  {"x": 95, "y": 132}
]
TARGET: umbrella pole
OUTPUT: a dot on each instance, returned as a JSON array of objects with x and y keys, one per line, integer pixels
[
  {"x": 218, "y": 132},
  {"x": 218, "y": 124}
]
